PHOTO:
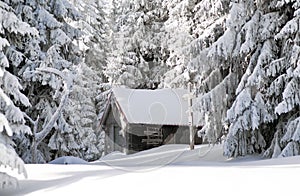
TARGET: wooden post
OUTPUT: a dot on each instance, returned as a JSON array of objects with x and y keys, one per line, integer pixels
[{"x": 191, "y": 124}]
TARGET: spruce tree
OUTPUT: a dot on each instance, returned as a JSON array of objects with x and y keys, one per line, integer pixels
[
  {"x": 137, "y": 57},
  {"x": 13, "y": 32}
]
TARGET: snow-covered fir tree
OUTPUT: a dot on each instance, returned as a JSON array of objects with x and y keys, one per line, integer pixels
[
  {"x": 179, "y": 37},
  {"x": 94, "y": 25},
  {"x": 260, "y": 46},
  {"x": 13, "y": 32},
  {"x": 48, "y": 72},
  {"x": 194, "y": 26},
  {"x": 137, "y": 57},
  {"x": 47, "y": 67},
  {"x": 82, "y": 116},
  {"x": 91, "y": 83},
  {"x": 285, "y": 74}
]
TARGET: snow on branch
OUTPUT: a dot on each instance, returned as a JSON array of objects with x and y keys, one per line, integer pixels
[
  {"x": 291, "y": 97},
  {"x": 11, "y": 23},
  {"x": 7, "y": 181},
  {"x": 277, "y": 86},
  {"x": 3, "y": 43},
  {"x": 295, "y": 56},
  {"x": 3, "y": 63},
  {"x": 275, "y": 67},
  {"x": 290, "y": 28},
  {"x": 59, "y": 37},
  {"x": 224, "y": 46},
  {"x": 250, "y": 39},
  {"x": 52, "y": 70},
  {"x": 291, "y": 149},
  {"x": 13, "y": 87},
  {"x": 63, "y": 102},
  {"x": 5, "y": 124},
  {"x": 282, "y": 3},
  {"x": 10, "y": 159},
  {"x": 213, "y": 105},
  {"x": 293, "y": 131},
  {"x": 44, "y": 17},
  {"x": 5, "y": 97}
]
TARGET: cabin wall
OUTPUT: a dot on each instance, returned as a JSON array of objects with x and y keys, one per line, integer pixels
[
  {"x": 114, "y": 139},
  {"x": 139, "y": 137},
  {"x": 170, "y": 134},
  {"x": 182, "y": 136}
]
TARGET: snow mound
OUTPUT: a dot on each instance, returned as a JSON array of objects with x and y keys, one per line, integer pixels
[
  {"x": 113, "y": 155},
  {"x": 166, "y": 155},
  {"x": 202, "y": 167},
  {"x": 67, "y": 160}
]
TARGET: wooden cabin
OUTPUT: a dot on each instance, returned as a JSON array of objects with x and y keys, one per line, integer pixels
[{"x": 136, "y": 120}]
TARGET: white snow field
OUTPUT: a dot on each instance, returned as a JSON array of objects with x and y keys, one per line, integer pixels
[{"x": 166, "y": 170}]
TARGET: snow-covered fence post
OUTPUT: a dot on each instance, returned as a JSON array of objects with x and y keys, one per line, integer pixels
[{"x": 189, "y": 96}]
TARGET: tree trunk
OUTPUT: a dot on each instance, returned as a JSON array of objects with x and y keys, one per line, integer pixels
[
  {"x": 47, "y": 129},
  {"x": 40, "y": 136},
  {"x": 34, "y": 144}
]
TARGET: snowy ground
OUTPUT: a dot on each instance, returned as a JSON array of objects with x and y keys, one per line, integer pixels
[{"x": 167, "y": 170}]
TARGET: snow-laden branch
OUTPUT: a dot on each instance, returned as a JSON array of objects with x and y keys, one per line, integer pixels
[
  {"x": 40, "y": 136},
  {"x": 64, "y": 75},
  {"x": 51, "y": 70},
  {"x": 65, "y": 94},
  {"x": 46, "y": 130},
  {"x": 29, "y": 118}
]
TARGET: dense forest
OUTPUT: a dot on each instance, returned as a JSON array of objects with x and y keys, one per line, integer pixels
[{"x": 59, "y": 58}]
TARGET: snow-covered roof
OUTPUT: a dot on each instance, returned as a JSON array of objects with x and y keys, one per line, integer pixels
[{"x": 157, "y": 107}]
